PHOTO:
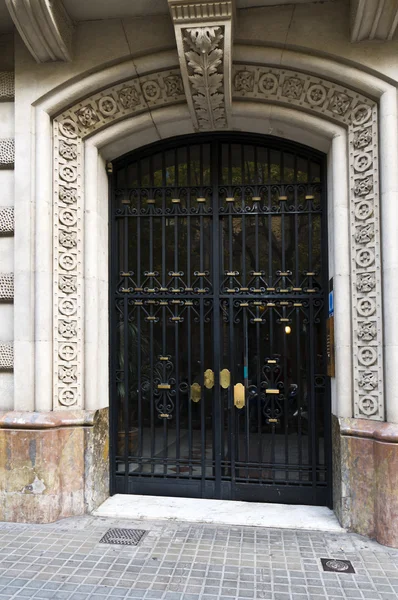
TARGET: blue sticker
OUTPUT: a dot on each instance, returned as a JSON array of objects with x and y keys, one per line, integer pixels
[{"x": 245, "y": 372}]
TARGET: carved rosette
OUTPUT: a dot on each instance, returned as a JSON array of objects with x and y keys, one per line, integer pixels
[
  {"x": 204, "y": 41},
  {"x": 359, "y": 115},
  {"x": 70, "y": 128}
]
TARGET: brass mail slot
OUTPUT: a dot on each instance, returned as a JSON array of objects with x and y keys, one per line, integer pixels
[
  {"x": 164, "y": 386},
  {"x": 272, "y": 391}
]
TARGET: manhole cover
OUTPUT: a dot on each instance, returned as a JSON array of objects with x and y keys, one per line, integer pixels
[
  {"x": 125, "y": 537},
  {"x": 337, "y": 566}
]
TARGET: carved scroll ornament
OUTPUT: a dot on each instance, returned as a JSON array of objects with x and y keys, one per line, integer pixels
[{"x": 204, "y": 40}]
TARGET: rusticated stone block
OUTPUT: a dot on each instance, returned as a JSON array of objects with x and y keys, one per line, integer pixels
[
  {"x": 50, "y": 468},
  {"x": 7, "y": 153},
  {"x": 7, "y": 86}
]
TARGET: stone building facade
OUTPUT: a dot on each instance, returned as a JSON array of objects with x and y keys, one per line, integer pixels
[{"x": 81, "y": 86}]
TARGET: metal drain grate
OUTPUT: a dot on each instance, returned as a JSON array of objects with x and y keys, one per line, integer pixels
[
  {"x": 337, "y": 566},
  {"x": 124, "y": 537}
]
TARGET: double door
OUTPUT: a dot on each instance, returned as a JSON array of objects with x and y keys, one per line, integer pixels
[{"x": 218, "y": 322}]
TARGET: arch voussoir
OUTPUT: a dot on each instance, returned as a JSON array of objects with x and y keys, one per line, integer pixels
[{"x": 356, "y": 112}]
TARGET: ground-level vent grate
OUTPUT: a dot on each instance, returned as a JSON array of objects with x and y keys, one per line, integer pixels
[
  {"x": 337, "y": 566},
  {"x": 124, "y": 537}
]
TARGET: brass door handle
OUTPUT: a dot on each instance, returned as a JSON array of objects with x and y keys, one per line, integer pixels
[{"x": 239, "y": 395}]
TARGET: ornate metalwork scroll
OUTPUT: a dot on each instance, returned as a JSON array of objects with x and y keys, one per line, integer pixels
[{"x": 204, "y": 40}]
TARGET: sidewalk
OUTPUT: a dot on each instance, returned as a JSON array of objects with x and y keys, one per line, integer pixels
[{"x": 181, "y": 561}]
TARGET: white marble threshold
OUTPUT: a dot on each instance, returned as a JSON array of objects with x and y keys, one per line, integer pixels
[{"x": 220, "y": 512}]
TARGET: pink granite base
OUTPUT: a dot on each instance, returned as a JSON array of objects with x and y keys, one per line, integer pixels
[
  {"x": 52, "y": 465},
  {"x": 367, "y": 498}
]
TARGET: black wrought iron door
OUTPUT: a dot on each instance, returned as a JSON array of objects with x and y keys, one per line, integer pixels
[{"x": 218, "y": 278}]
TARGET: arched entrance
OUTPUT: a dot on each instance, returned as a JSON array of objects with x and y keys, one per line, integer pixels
[{"x": 218, "y": 279}]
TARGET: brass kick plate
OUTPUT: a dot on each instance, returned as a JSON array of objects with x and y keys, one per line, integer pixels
[
  {"x": 209, "y": 379},
  {"x": 196, "y": 392},
  {"x": 225, "y": 379},
  {"x": 239, "y": 395}
]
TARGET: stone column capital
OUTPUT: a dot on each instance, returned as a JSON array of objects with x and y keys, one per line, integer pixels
[
  {"x": 203, "y": 30},
  {"x": 45, "y": 27}
]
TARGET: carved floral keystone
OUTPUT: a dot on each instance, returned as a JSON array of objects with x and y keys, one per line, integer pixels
[{"x": 203, "y": 32}]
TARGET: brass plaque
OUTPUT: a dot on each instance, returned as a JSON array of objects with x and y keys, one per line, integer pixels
[
  {"x": 330, "y": 355},
  {"x": 209, "y": 379},
  {"x": 225, "y": 379},
  {"x": 239, "y": 395},
  {"x": 196, "y": 392}
]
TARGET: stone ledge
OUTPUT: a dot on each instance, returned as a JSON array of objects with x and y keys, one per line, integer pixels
[
  {"x": 385, "y": 432},
  {"x": 47, "y": 420}
]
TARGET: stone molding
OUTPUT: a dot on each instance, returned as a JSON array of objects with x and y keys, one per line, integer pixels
[
  {"x": 6, "y": 220},
  {"x": 45, "y": 27},
  {"x": 7, "y": 86},
  {"x": 47, "y": 420},
  {"x": 360, "y": 115},
  {"x": 7, "y": 153},
  {"x": 6, "y": 356},
  {"x": 373, "y": 20},
  {"x": 262, "y": 84},
  {"x": 6, "y": 287},
  {"x": 132, "y": 97},
  {"x": 203, "y": 33}
]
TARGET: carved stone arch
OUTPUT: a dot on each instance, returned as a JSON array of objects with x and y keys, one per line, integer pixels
[{"x": 341, "y": 105}]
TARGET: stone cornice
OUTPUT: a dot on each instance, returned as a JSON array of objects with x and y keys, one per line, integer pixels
[
  {"x": 45, "y": 27},
  {"x": 203, "y": 32},
  {"x": 373, "y": 20}
]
